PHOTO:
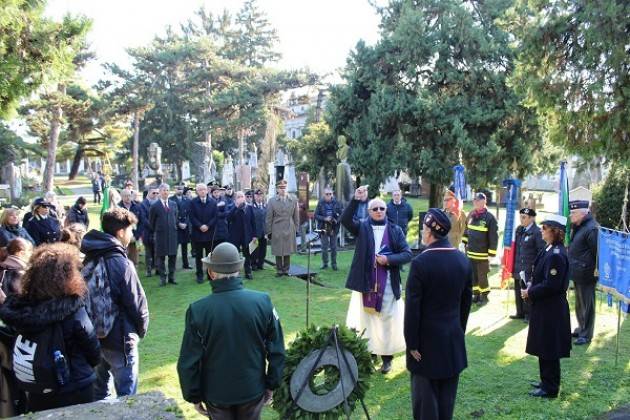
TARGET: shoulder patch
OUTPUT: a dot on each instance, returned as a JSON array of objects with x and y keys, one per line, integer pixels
[
  {"x": 556, "y": 250},
  {"x": 275, "y": 314},
  {"x": 553, "y": 271}
]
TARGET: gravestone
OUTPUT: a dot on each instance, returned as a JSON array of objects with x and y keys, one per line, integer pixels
[{"x": 227, "y": 177}]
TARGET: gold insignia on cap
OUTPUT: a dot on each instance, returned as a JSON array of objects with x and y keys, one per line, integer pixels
[{"x": 553, "y": 271}]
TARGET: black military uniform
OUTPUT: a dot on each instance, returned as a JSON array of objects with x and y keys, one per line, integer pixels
[
  {"x": 437, "y": 305},
  {"x": 549, "y": 335},
  {"x": 528, "y": 243},
  {"x": 481, "y": 238},
  {"x": 582, "y": 258}
]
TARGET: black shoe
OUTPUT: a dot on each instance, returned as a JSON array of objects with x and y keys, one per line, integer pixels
[
  {"x": 575, "y": 334},
  {"x": 162, "y": 283},
  {"x": 517, "y": 316},
  {"x": 526, "y": 320},
  {"x": 172, "y": 282},
  {"x": 581, "y": 341},
  {"x": 387, "y": 366},
  {"x": 149, "y": 273},
  {"x": 541, "y": 393},
  {"x": 323, "y": 267},
  {"x": 535, "y": 384},
  {"x": 187, "y": 267},
  {"x": 475, "y": 299},
  {"x": 483, "y": 300},
  {"x": 200, "y": 280},
  {"x": 334, "y": 267},
  {"x": 279, "y": 274},
  {"x": 249, "y": 276}
]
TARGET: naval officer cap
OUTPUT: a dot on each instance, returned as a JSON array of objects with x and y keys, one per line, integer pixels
[
  {"x": 528, "y": 212},
  {"x": 555, "y": 220},
  {"x": 578, "y": 204}
]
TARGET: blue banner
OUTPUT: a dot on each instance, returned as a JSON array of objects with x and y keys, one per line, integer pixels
[
  {"x": 614, "y": 261},
  {"x": 511, "y": 209},
  {"x": 459, "y": 182}
]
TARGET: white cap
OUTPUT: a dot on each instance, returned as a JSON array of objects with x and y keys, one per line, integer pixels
[{"x": 555, "y": 220}]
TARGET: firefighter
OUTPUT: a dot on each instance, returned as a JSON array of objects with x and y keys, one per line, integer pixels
[{"x": 481, "y": 238}]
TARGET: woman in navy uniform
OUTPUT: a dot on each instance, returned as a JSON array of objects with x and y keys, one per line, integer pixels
[
  {"x": 42, "y": 226},
  {"x": 549, "y": 335}
]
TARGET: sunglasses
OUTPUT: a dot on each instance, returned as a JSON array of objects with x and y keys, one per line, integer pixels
[
  {"x": 328, "y": 193},
  {"x": 378, "y": 209}
]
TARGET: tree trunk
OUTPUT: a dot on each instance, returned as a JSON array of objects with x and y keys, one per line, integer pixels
[
  {"x": 76, "y": 162},
  {"x": 134, "y": 150},
  {"x": 55, "y": 129},
  {"x": 435, "y": 195}
]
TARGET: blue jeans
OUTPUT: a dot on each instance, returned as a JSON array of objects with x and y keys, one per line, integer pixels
[{"x": 124, "y": 370}]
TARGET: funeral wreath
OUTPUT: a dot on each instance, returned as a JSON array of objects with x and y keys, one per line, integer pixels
[{"x": 325, "y": 380}]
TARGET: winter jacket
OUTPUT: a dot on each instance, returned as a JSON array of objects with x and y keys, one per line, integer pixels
[
  {"x": 126, "y": 291},
  {"x": 183, "y": 216},
  {"x": 44, "y": 230},
  {"x": 321, "y": 213},
  {"x": 137, "y": 211},
  {"x": 233, "y": 346},
  {"x": 163, "y": 223},
  {"x": 400, "y": 214},
  {"x": 82, "y": 346},
  {"x": 481, "y": 236},
  {"x": 583, "y": 251},
  {"x": 221, "y": 232},
  {"x": 9, "y": 233},
  {"x": 362, "y": 267},
  {"x": 11, "y": 271},
  {"x": 528, "y": 243},
  {"x": 77, "y": 215},
  {"x": 260, "y": 213},
  {"x": 145, "y": 227},
  {"x": 202, "y": 214},
  {"x": 241, "y": 225}
]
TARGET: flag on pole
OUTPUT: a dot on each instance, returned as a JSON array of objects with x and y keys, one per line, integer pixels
[
  {"x": 509, "y": 233},
  {"x": 563, "y": 197},
  {"x": 459, "y": 185}
]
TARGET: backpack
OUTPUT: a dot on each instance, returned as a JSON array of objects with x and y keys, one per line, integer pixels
[
  {"x": 101, "y": 309},
  {"x": 34, "y": 360}
]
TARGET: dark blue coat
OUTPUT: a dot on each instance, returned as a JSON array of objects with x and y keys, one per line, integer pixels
[
  {"x": 125, "y": 288},
  {"x": 399, "y": 214},
  {"x": 583, "y": 251},
  {"x": 260, "y": 213},
  {"x": 549, "y": 335},
  {"x": 77, "y": 215},
  {"x": 202, "y": 214},
  {"x": 183, "y": 216},
  {"x": 241, "y": 225},
  {"x": 221, "y": 232},
  {"x": 9, "y": 233},
  {"x": 43, "y": 231},
  {"x": 437, "y": 305},
  {"x": 145, "y": 228},
  {"x": 361, "y": 269},
  {"x": 136, "y": 209}
]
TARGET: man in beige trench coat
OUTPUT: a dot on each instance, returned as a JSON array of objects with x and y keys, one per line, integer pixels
[{"x": 281, "y": 226}]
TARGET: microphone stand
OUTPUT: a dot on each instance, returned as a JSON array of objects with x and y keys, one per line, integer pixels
[{"x": 309, "y": 241}]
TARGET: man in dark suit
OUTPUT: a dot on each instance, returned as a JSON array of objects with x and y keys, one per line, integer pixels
[
  {"x": 203, "y": 215},
  {"x": 183, "y": 223},
  {"x": 242, "y": 228},
  {"x": 163, "y": 221},
  {"x": 260, "y": 213},
  {"x": 437, "y": 305},
  {"x": 148, "y": 239}
]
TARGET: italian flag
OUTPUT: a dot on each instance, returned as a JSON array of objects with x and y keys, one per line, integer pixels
[{"x": 563, "y": 198}]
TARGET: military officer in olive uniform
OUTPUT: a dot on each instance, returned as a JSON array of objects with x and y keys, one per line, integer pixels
[
  {"x": 281, "y": 224},
  {"x": 549, "y": 336},
  {"x": 42, "y": 225},
  {"x": 528, "y": 243}
]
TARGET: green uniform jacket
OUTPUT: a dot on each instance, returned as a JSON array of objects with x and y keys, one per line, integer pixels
[{"x": 229, "y": 337}]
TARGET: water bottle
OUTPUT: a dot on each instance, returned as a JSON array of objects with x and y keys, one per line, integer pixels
[{"x": 61, "y": 367}]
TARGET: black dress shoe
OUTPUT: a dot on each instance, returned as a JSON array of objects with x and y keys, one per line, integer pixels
[
  {"x": 149, "y": 274},
  {"x": 187, "y": 267},
  {"x": 535, "y": 384},
  {"x": 172, "y": 282},
  {"x": 541, "y": 393},
  {"x": 323, "y": 267},
  {"x": 334, "y": 267},
  {"x": 200, "y": 280},
  {"x": 249, "y": 276},
  {"x": 387, "y": 366},
  {"x": 575, "y": 334},
  {"x": 581, "y": 341},
  {"x": 517, "y": 316}
]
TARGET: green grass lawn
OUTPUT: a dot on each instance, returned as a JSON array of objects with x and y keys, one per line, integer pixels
[{"x": 495, "y": 385}]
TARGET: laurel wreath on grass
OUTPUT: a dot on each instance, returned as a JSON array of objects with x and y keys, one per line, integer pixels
[{"x": 325, "y": 378}]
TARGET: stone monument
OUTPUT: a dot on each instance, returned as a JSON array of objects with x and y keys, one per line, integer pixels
[
  {"x": 204, "y": 167},
  {"x": 227, "y": 177},
  {"x": 253, "y": 161},
  {"x": 153, "y": 167},
  {"x": 344, "y": 189}
]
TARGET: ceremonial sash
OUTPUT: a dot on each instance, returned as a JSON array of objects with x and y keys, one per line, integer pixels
[{"x": 373, "y": 300}]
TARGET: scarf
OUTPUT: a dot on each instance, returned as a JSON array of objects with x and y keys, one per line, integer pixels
[{"x": 373, "y": 300}]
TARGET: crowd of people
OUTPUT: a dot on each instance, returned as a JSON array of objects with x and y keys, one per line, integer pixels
[{"x": 74, "y": 293}]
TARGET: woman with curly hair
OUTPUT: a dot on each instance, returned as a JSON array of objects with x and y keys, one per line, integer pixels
[
  {"x": 13, "y": 261},
  {"x": 53, "y": 295}
]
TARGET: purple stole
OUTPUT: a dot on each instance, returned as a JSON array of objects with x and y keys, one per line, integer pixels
[{"x": 373, "y": 300}]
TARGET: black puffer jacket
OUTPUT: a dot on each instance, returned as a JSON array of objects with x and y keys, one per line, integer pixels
[
  {"x": 82, "y": 346},
  {"x": 78, "y": 215},
  {"x": 126, "y": 290}
]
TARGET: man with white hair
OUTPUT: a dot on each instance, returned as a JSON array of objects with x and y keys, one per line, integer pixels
[
  {"x": 163, "y": 222},
  {"x": 232, "y": 352},
  {"x": 127, "y": 202},
  {"x": 203, "y": 217},
  {"x": 582, "y": 265},
  {"x": 374, "y": 277}
]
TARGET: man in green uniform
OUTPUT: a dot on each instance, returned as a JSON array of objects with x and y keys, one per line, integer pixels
[{"x": 232, "y": 353}]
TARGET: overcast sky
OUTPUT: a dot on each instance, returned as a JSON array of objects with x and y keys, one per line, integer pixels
[{"x": 313, "y": 33}]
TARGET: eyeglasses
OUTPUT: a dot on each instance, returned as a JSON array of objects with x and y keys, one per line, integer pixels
[
  {"x": 378, "y": 209},
  {"x": 328, "y": 193}
]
